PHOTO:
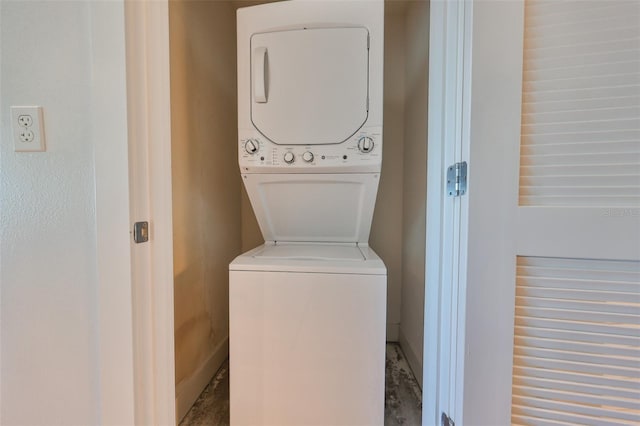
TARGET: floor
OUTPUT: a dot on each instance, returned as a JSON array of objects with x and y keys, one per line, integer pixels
[{"x": 402, "y": 406}]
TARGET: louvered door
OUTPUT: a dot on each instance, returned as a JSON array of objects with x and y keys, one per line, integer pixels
[
  {"x": 577, "y": 307},
  {"x": 581, "y": 104},
  {"x": 576, "y": 346}
]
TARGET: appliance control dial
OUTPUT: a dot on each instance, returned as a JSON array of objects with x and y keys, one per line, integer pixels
[
  {"x": 251, "y": 146},
  {"x": 307, "y": 156},
  {"x": 365, "y": 144},
  {"x": 289, "y": 157}
]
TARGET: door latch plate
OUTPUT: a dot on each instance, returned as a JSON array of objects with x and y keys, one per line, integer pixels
[{"x": 141, "y": 232}]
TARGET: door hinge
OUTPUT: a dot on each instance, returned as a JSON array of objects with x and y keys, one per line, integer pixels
[
  {"x": 446, "y": 420},
  {"x": 141, "y": 232},
  {"x": 457, "y": 179}
]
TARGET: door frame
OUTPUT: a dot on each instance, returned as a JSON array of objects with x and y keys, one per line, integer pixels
[
  {"x": 489, "y": 212},
  {"x": 114, "y": 352},
  {"x": 149, "y": 132},
  {"x": 445, "y": 259},
  {"x": 149, "y": 118}
]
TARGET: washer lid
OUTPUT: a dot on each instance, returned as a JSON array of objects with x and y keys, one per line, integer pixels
[
  {"x": 305, "y": 251},
  {"x": 310, "y": 86},
  {"x": 323, "y": 258},
  {"x": 313, "y": 207}
]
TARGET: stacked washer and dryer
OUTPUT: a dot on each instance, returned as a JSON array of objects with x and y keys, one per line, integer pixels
[{"x": 308, "y": 307}]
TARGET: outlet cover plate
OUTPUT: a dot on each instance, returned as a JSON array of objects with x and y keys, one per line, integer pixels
[{"x": 28, "y": 128}]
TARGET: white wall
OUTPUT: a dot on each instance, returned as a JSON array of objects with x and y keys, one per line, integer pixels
[
  {"x": 47, "y": 221},
  {"x": 52, "y": 363}
]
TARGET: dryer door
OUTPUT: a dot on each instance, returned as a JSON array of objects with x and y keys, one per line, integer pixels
[{"x": 309, "y": 86}]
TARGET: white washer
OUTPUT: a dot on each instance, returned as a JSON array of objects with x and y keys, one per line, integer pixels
[
  {"x": 307, "y": 336},
  {"x": 308, "y": 308}
]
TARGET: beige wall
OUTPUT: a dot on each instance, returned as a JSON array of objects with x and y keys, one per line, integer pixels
[
  {"x": 206, "y": 184},
  {"x": 414, "y": 187},
  {"x": 386, "y": 230}
]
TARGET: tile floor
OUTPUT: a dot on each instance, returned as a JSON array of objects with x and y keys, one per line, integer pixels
[{"x": 403, "y": 397}]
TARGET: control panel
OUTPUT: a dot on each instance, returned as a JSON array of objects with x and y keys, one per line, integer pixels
[{"x": 360, "y": 153}]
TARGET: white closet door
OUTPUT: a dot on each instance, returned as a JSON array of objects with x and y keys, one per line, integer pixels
[
  {"x": 553, "y": 262},
  {"x": 576, "y": 357}
]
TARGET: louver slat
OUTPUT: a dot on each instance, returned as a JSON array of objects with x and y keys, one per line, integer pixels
[
  {"x": 580, "y": 381},
  {"x": 576, "y": 342},
  {"x": 590, "y": 147},
  {"x": 581, "y": 104},
  {"x": 530, "y": 333},
  {"x": 587, "y": 104}
]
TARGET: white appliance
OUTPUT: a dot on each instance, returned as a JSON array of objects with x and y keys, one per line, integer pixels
[{"x": 308, "y": 308}]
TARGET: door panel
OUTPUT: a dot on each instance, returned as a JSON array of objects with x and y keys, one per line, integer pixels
[
  {"x": 577, "y": 306},
  {"x": 579, "y": 232},
  {"x": 553, "y": 205}
]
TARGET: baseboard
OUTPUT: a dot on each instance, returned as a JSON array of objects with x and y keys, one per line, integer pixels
[
  {"x": 412, "y": 359},
  {"x": 392, "y": 332},
  {"x": 188, "y": 390}
]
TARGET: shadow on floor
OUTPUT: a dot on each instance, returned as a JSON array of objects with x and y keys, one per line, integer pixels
[{"x": 402, "y": 405}]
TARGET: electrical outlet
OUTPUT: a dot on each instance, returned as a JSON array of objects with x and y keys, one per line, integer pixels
[
  {"x": 28, "y": 128},
  {"x": 26, "y": 136},
  {"x": 25, "y": 120}
]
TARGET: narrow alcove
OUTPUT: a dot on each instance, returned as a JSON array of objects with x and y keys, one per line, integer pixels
[{"x": 213, "y": 219}]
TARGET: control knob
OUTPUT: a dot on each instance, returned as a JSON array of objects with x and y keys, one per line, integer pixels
[
  {"x": 289, "y": 157},
  {"x": 365, "y": 144},
  {"x": 307, "y": 156},
  {"x": 251, "y": 146}
]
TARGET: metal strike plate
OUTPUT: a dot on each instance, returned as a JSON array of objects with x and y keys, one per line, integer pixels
[{"x": 141, "y": 232}]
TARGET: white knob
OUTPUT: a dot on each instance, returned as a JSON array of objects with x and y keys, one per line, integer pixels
[
  {"x": 251, "y": 146},
  {"x": 365, "y": 144},
  {"x": 307, "y": 156},
  {"x": 289, "y": 157}
]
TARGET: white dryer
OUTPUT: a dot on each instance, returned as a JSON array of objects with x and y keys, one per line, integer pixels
[{"x": 308, "y": 308}]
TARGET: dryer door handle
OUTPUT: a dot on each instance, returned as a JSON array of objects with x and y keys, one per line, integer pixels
[{"x": 260, "y": 75}]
